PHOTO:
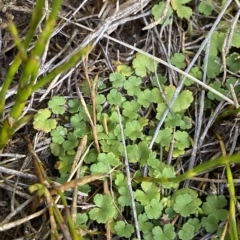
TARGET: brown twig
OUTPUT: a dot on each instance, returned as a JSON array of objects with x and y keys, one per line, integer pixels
[
  {"x": 77, "y": 157},
  {"x": 78, "y": 182}
]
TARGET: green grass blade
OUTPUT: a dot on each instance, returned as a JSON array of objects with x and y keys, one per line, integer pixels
[
  {"x": 36, "y": 17},
  {"x": 7, "y": 81},
  {"x": 232, "y": 209},
  {"x": 20, "y": 122},
  {"x": 228, "y": 113},
  {"x": 195, "y": 171},
  {"x": 17, "y": 41},
  {"x": 10, "y": 126},
  {"x": 32, "y": 65},
  {"x": 5, "y": 134},
  {"x": 21, "y": 99},
  {"x": 47, "y": 30},
  {"x": 71, "y": 227}
]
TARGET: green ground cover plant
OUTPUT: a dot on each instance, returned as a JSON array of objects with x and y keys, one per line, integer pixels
[
  {"x": 153, "y": 202},
  {"x": 115, "y": 127},
  {"x": 133, "y": 99}
]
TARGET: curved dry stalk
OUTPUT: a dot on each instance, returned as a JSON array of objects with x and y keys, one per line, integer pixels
[{"x": 76, "y": 160}]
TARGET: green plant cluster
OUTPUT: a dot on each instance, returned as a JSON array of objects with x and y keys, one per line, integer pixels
[
  {"x": 135, "y": 101},
  {"x": 142, "y": 97},
  {"x": 156, "y": 205},
  {"x": 156, "y": 212}
]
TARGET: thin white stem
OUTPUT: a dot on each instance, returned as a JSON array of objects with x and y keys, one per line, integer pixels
[{"x": 129, "y": 176}]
